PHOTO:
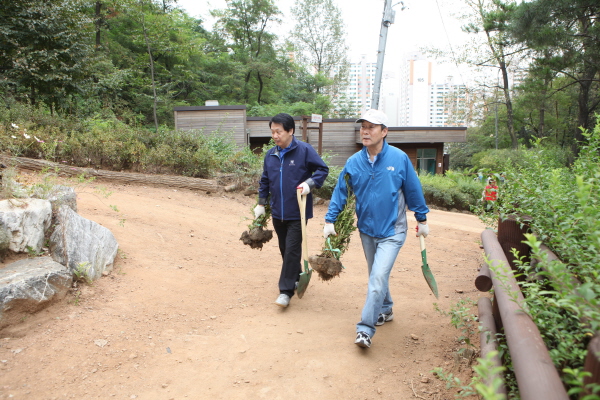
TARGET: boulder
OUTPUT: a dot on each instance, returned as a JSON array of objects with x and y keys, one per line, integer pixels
[
  {"x": 26, "y": 222},
  {"x": 85, "y": 247},
  {"x": 28, "y": 285},
  {"x": 57, "y": 195}
]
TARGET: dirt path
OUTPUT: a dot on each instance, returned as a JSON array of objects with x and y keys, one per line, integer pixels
[{"x": 188, "y": 313}]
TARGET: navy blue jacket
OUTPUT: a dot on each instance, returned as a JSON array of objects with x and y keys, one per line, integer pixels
[{"x": 283, "y": 173}]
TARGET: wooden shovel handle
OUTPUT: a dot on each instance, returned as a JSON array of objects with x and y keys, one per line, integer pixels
[{"x": 302, "y": 206}]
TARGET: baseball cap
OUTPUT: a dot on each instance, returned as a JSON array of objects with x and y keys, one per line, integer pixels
[{"x": 375, "y": 117}]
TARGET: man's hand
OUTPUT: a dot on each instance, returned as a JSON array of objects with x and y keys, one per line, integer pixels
[
  {"x": 258, "y": 211},
  {"x": 305, "y": 188},
  {"x": 328, "y": 229},
  {"x": 422, "y": 229}
]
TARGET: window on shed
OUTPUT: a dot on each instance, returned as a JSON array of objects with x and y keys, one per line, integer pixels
[{"x": 426, "y": 160}]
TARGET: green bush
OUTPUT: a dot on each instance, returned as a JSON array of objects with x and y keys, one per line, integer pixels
[
  {"x": 503, "y": 159},
  {"x": 455, "y": 190},
  {"x": 182, "y": 153},
  {"x": 562, "y": 206},
  {"x": 326, "y": 190}
]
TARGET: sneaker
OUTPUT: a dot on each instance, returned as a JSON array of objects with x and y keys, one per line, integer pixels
[
  {"x": 363, "y": 340},
  {"x": 383, "y": 318},
  {"x": 283, "y": 300}
]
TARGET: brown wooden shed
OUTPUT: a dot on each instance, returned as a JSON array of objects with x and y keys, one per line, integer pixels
[{"x": 341, "y": 137}]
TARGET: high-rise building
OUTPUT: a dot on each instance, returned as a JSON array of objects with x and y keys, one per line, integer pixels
[
  {"x": 447, "y": 104},
  {"x": 358, "y": 92},
  {"x": 413, "y": 97},
  {"x": 429, "y": 101}
]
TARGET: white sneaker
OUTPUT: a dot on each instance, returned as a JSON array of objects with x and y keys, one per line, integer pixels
[{"x": 283, "y": 300}]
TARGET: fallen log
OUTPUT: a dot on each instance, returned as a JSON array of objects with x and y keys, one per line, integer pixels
[{"x": 113, "y": 176}]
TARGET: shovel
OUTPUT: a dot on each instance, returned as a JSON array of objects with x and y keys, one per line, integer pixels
[
  {"x": 307, "y": 272},
  {"x": 425, "y": 268}
]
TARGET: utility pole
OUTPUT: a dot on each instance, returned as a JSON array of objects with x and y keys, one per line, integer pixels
[{"x": 388, "y": 19}]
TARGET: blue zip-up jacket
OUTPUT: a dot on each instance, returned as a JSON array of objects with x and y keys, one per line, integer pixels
[
  {"x": 383, "y": 191},
  {"x": 283, "y": 171}
]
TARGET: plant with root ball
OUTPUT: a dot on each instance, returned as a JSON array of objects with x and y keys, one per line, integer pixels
[
  {"x": 328, "y": 264},
  {"x": 257, "y": 234}
]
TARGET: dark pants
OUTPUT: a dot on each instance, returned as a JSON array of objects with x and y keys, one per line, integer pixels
[{"x": 289, "y": 234}]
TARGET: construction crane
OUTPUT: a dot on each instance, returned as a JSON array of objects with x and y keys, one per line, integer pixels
[{"x": 388, "y": 19}]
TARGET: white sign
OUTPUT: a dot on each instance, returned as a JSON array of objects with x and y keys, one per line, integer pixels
[{"x": 316, "y": 118}]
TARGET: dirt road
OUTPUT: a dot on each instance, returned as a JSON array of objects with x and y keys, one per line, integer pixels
[{"x": 188, "y": 313}]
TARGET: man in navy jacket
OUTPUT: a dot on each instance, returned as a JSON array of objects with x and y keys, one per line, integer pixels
[
  {"x": 385, "y": 183},
  {"x": 288, "y": 166}
]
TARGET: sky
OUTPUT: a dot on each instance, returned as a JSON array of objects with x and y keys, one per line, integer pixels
[{"x": 422, "y": 23}]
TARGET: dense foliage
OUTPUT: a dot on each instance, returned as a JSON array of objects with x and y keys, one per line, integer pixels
[
  {"x": 535, "y": 74},
  {"x": 454, "y": 191},
  {"x": 113, "y": 145},
  {"x": 562, "y": 206},
  {"x": 137, "y": 59}
]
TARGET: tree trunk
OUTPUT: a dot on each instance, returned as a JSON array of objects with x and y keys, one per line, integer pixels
[
  {"x": 246, "y": 96},
  {"x": 583, "y": 114},
  {"x": 260, "y": 87},
  {"x": 509, "y": 109},
  {"x": 151, "y": 72},
  {"x": 98, "y": 22},
  {"x": 112, "y": 176}
]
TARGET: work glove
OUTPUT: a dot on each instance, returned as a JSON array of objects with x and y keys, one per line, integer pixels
[
  {"x": 258, "y": 211},
  {"x": 305, "y": 188},
  {"x": 328, "y": 229},
  {"x": 422, "y": 230}
]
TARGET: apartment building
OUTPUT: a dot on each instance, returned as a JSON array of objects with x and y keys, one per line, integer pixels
[
  {"x": 426, "y": 99},
  {"x": 361, "y": 77},
  {"x": 411, "y": 94}
]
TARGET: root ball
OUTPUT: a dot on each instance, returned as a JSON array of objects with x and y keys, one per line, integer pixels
[
  {"x": 326, "y": 267},
  {"x": 257, "y": 237}
]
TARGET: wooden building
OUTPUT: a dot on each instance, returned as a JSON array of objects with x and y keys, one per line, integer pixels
[{"x": 341, "y": 137}]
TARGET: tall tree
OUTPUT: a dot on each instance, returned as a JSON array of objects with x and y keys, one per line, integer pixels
[
  {"x": 320, "y": 39},
  {"x": 489, "y": 17},
  {"x": 45, "y": 47},
  {"x": 159, "y": 57},
  {"x": 244, "y": 23},
  {"x": 566, "y": 37},
  {"x": 151, "y": 63}
]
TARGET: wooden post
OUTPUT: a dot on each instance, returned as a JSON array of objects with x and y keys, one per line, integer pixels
[
  {"x": 592, "y": 364},
  {"x": 305, "y": 128},
  {"x": 320, "y": 149},
  {"x": 511, "y": 236},
  {"x": 496, "y": 313},
  {"x": 536, "y": 375}
]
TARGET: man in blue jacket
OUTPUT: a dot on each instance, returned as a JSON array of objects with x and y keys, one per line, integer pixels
[
  {"x": 288, "y": 166},
  {"x": 385, "y": 183}
]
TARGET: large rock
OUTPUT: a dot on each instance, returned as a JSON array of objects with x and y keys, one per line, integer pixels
[
  {"x": 26, "y": 221},
  {"x": 85, "y": 247},
  {"x": 57, "y": 195},
  {"x": 28, "y": 285}
]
